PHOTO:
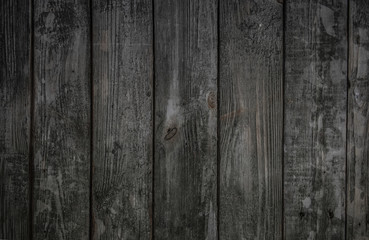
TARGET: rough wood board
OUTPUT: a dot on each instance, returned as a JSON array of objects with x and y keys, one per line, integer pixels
[
  {"x": 122, "y": 112},
  {"x": 185, "y": 119},
  {"x": 15, "y": 95},
  {"x": 61, "y": 119},
  {"x": 358, "y": 123},
  {"x": 315, "y": 119},
  {"x": 251, "y": 113}
]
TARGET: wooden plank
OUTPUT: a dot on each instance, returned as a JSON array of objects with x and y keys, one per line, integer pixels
[
  {"x": 315, "y": 119},
  {"x": 61, "y": 119},
  {"x": 15, "y": 95},
  {"x": 122, "y": 111},
  {"x": 358, "y": 123},
  {"x": 251, "y": 119},
  {"x": 185, "y": 119}
]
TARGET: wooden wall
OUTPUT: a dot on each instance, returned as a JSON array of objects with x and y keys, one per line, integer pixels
[{"x": 184, "y": 119}]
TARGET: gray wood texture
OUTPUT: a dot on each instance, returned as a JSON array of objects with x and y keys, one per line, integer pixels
[
  {"x": 15, "y": 106},
  {"x": 123, "y": 119},
  {"x": 185, "y": 190},
  {"x": 251, "y": 114},
  {"x": 61, "y": 119},
  {"x": 358, "y": 123},
  {"x": 315, "y": 119},
  {"x": 190, "y": 118}
]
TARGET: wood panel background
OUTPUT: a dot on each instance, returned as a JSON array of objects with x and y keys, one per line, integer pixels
[{"x": 184, "y": 119}]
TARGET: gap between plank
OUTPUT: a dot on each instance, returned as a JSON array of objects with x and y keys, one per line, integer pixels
[
  {"x": 347, "y": 106},
  {"x": 91, "y": 222},
  {"x": 153, "y": 123},
  {"x": 284, "y": 10},
  {"x": 218, "y": 119},
  {"x": 31, "y": 133}
]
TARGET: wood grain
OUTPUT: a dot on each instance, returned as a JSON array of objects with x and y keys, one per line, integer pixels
[
  {"x": 61, "y": 119},
  {"x": 122, "y": 112},
  {"x": 315, "y": 119},
  {"x": 185, "y": 119},
  {"x": 358, "y": 123},
  {"x": 15, "y": 96},
  {"x": 251, "y": 114}
]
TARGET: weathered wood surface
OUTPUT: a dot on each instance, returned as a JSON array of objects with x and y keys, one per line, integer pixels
[
  {"x": 61, "y": 119},
  {"x": 251, "y": 114},
  {"x": 358, "y": 123},
  {"x": 315, "y": 119},
  {"x": 122, "y": 112},
  {"x": 185, "y": 180},
  {"x": 15, "y": 106},
  {"x": 155, "y": 146}
]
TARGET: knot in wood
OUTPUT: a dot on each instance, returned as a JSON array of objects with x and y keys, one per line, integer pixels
[{"x": 171, "y": 132}]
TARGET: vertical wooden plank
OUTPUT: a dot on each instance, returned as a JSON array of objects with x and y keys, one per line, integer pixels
[
  {"x": 62, "y": 119},
  {"x": 185, "y": 119},
  {"x": 315, "y": 119},
  {"x": 251, "y": 119},
  {"x": 15, "y": 92},
  {"x": 122, "y": 110},
  {"x": 358, "y": 122}
]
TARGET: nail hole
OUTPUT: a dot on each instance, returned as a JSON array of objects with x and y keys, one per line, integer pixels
[{"x": 330, "y": 214}]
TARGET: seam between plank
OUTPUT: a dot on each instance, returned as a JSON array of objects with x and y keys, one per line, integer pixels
[
  {"x": 347, "y": 108},
  {"x": 153, "y": 124},
  {"x": 91, "y": 222},
  {"x": 31, "y": 131}
]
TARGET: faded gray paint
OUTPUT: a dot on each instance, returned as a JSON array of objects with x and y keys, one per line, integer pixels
[
  {"x": 160, "y": 145},
  {"x": 315, "y": 119}
]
